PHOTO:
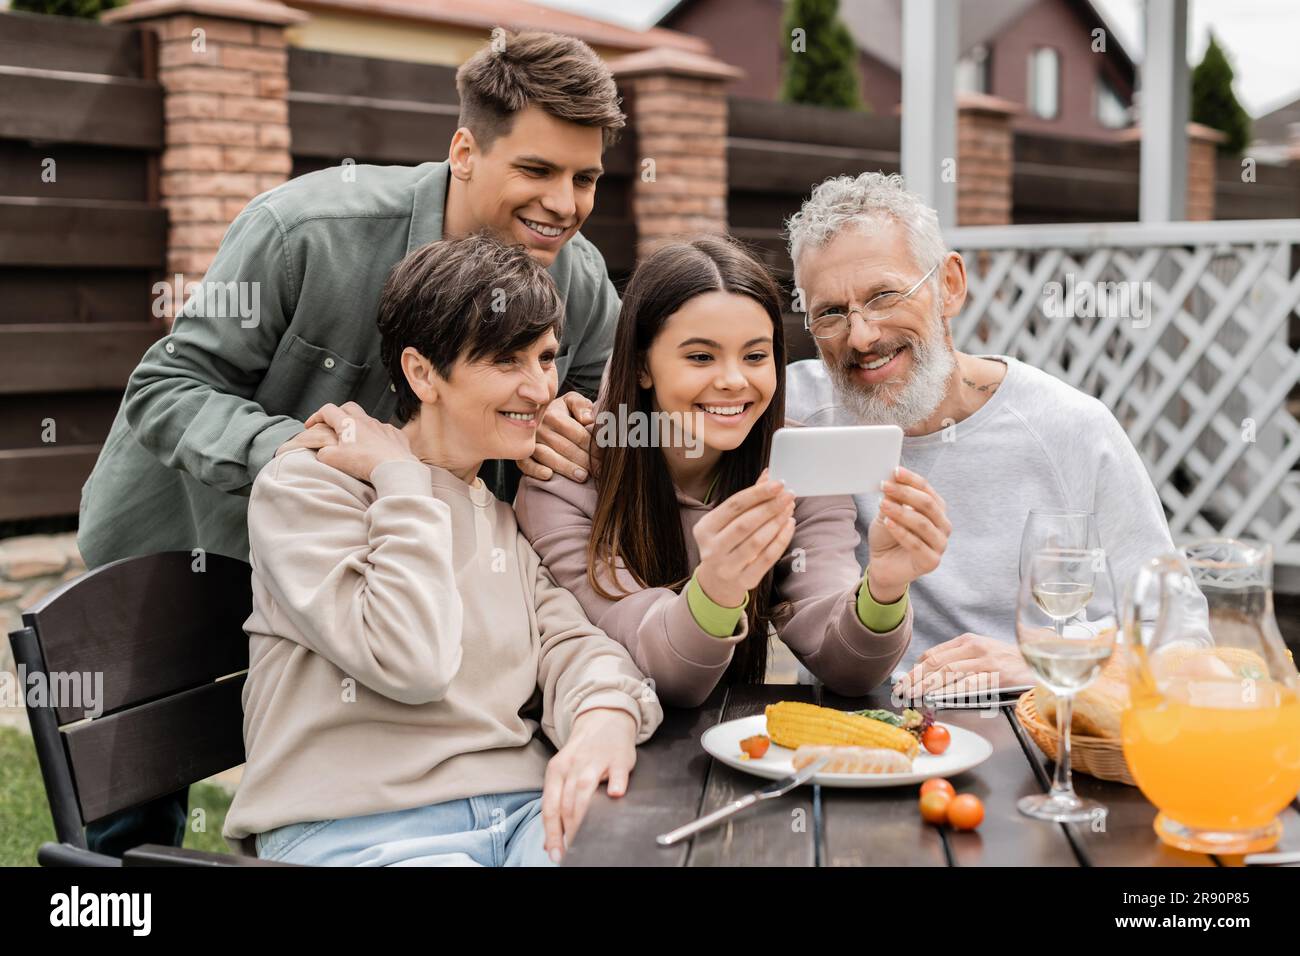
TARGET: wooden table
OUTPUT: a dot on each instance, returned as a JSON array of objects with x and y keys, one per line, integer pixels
[{"x": 675, "y": 781}]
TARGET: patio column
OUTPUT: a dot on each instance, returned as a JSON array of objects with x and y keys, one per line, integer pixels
[
  {"x": 1199, "y": 170},
  {"x": 929, "y": 133},
  {"x": 678, "y": 106},
  {"x": 223, "y": 67},
  {"x": 1163, "y": 106}
]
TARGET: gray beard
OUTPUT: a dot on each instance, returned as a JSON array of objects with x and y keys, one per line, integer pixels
[{"x": 932, "y": 366}]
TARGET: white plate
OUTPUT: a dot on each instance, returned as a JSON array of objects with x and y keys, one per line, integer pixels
[{"x": 967, "y": 749}]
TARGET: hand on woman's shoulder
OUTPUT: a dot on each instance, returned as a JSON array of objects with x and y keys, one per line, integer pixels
[{"x": 299, "y": 472}]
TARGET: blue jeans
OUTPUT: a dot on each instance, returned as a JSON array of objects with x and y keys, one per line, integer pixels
[{"x": 502, "y": 829}]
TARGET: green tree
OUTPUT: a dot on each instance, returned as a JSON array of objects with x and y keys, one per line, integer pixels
[
  {"x": 86, "y": 9},
  {"x": 1213, "y": 102},
  {"x": 821, "y": 58}
]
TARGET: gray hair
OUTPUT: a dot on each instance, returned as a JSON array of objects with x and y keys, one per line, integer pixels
[{"x": 870, "y": 198}]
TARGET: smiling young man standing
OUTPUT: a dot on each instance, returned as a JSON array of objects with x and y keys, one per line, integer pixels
[{"x": 212, "y": 403}]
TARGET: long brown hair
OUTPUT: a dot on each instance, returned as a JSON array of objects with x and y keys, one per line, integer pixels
[{"x": 635, "y": 491}]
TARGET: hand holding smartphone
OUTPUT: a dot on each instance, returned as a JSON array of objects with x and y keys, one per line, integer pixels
[{"x": 843, "y": 460}]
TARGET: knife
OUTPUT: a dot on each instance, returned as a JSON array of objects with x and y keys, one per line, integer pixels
[
  {"x": 1271, "y": 859},
  {"x": 774, "y": 789}
]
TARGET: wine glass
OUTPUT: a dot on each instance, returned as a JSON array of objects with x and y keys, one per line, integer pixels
[
  {"x": 1056, "y": 528},
  {"x": 1066, "y": 622}
]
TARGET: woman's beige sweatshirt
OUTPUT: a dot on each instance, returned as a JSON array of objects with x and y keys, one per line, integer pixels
[{"x": 406, "y": 644}]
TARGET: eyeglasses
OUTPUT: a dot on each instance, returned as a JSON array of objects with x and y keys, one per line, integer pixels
[{"x": 831, "y": 325}]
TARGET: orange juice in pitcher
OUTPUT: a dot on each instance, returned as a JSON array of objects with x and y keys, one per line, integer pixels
[{"x": 1212, "y": 733}]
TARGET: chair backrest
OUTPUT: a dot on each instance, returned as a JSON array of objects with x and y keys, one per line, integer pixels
[{"x": 154, "y": 648}]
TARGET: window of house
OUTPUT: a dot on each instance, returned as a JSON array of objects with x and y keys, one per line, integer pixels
[
  {"x": 1044, "y": 90},
  {"x": 1111, "y": 111},
  {"x": 973, "y": 71}
]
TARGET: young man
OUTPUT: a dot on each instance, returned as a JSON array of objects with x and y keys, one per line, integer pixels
[
  {"x": 211, "y": 403},
  {"x": 993, "y": 436}
]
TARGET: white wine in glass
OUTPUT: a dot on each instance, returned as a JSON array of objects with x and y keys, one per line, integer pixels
[
  {"x": 1062, "y": 599},
  {"x": 1066, "y": 622},
  {"x": 1067, "y": 666}
]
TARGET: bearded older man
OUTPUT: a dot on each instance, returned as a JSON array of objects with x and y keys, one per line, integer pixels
[{"x": 993, "y": 436}]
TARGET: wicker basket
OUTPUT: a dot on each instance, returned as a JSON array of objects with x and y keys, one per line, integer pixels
[{"x": 1096, "y": 756}]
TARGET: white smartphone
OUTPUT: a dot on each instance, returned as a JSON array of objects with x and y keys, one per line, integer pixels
[{"x": 843, "y": 460}]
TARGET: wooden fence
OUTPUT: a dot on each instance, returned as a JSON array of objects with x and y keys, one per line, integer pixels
[
  {"x": 776, "y": 153},
  {"x": 83, "y": 236},
  {"x": 1057, "y": 180},
  {"x": 82, "y": 241},
  {"x": 1269, "y": 192},
  {"x": 1069, "y": 180}
]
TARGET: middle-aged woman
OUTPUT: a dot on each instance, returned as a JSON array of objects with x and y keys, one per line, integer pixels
[
  {"x": 406, "y": 645},
  {"x": 684, "y": 551}
]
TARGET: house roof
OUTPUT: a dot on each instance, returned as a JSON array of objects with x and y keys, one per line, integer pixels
[
  {"x": 877, "y": 25},
  {"x": 514, "y": 14},
  {"x": 1274, "y": 126}
]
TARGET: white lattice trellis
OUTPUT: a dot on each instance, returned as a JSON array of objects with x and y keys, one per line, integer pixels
[{"x": 1192, "y": 353}]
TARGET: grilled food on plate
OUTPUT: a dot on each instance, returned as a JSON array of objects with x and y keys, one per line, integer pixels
[
  {"x": 854, "y": 759},
  {"x": 793, "y": 724}
]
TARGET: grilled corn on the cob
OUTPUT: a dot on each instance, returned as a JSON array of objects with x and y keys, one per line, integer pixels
[{"x": 793, "y": 724}]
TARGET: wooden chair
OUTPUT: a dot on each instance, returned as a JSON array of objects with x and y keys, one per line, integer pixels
[{"x": 170, "y": 643}]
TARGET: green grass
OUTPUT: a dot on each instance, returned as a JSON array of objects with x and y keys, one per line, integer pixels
[
  {"x": 25, "y": 816},
  {"x": 215, "y": 802}
]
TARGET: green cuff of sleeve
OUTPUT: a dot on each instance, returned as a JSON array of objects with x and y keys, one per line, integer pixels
[
  {"x": 715, "y": 619},
  {"x": 877, "y": 617}
]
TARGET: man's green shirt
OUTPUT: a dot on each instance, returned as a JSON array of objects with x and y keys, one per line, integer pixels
[{"x": 211, "y": 402}]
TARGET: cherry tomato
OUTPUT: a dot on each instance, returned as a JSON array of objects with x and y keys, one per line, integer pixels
[
  {"x": 755, "y": 746},
  {"x": 938, "y": 783},
  {"x": 934, "y": 807},
  {"x": 965, "y": 812},
  {"x": 936, "y": 739}
]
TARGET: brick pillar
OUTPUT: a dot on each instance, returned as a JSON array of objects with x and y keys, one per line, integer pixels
[
  {"x": 226, "y": 113},
  {"x": 984, "y": 159},
  {"x": 679, "y": 112},
  {"x": 1202, "y": 144}
]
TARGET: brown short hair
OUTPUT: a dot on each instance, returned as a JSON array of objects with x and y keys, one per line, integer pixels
[
  {"x": 472, "y": 298},
  {"x": 560, "y": 74}
]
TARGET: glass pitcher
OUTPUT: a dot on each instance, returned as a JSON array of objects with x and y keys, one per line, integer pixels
[{"x": 1212, "y": 732}]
